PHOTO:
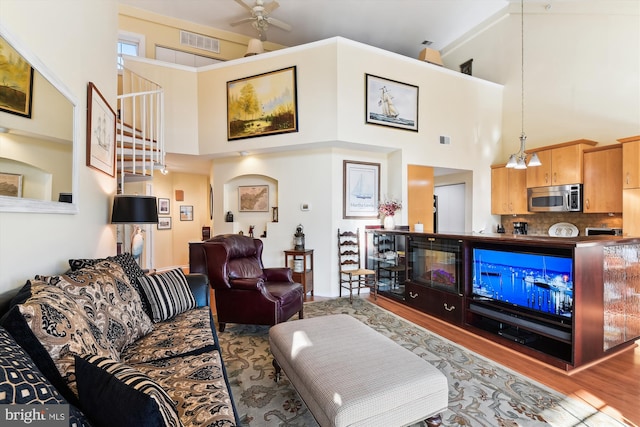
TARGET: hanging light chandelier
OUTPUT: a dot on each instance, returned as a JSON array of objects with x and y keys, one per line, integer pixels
[{"x": 518, "y": 160}]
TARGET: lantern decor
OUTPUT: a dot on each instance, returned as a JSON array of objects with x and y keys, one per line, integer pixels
[{"x": 298, "y": 239}]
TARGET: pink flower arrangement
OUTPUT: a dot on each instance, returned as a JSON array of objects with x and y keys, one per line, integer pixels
[{"x": 389, "y": 207}]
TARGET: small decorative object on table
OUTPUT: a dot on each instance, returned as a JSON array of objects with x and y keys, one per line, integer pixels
[
  {"x": 298, "y": 238},
  {"x": 388, "y": 208},
  {"x": 251, "y": 227}
]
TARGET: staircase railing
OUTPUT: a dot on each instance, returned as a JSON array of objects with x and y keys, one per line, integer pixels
[{"x": 140, "y": 134}]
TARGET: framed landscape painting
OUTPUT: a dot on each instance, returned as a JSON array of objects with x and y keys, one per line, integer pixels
[
  {"x": 16, "y": 81},
  {"x": 391, "y": 103},
  {"x": 262, "y": 105},
  {"x": 361, "y": 189}
]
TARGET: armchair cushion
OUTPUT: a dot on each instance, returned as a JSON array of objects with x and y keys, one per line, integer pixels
[
  {"x": 168, "y": 294},
  {"x": 242, "y": 268}
]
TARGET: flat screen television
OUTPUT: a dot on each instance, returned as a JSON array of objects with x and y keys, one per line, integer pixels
[{"x": 542, "y": 282}]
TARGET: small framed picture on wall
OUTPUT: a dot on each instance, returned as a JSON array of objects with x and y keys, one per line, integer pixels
[
  {"x": 186, "y": 213},
  {"x": 164, "y": 206}
]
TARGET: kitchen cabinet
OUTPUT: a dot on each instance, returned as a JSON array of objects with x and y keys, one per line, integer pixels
[
  {"x": 561, "y": 164},
  {"x": 508, "y": 191},
  {"x": 602, "y": 189},
  {"x": 631, "y": 185},
  {"x": 630, "y": 162}
]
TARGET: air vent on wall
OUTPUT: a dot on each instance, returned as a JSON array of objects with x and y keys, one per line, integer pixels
[{"x": 199, "y": 41}]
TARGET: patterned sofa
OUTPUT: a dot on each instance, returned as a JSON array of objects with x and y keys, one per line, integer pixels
[{"x": 120, "y": 347}]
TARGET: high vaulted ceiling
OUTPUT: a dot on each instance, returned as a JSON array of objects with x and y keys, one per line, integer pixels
[{"x": 399, "y": 26}]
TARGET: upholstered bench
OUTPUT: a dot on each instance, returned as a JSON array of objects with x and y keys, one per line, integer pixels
[{"x": 350, "y": 375}]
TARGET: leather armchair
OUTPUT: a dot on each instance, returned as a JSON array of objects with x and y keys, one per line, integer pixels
[{"x": 245, "y": 291}]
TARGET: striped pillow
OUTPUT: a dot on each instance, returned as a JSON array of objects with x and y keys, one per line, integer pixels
[
  {"x": 168, "y": 294},
  {"x": 114, "y": 394}
]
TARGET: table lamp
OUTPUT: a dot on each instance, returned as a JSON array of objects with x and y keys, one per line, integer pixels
[{"x": 128, "y": 209}]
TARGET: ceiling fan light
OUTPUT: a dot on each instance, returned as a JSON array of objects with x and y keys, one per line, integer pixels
[
  {"x": 534, "y": 160},
  {"x": 512, "y": 161},
  {"x": 254, "y": 47}
]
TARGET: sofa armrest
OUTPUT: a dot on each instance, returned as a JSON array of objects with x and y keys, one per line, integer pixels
[
  {"x": 278, "y": 274},
  {"x": 199, "y": 284},
  {"x": 248, "y": 284}
]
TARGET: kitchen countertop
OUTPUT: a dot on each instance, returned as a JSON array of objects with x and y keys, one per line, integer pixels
[{"x": 525, "y": 239}]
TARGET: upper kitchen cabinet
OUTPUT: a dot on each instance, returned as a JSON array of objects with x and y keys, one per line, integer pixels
[
  {"x": 630, "y": 162},
  {"x": 561, "y": 164},
  {"x": 508, "y": 191},
  {"x": 631, "y": 185},
  {"x": 602, "y": 190}
]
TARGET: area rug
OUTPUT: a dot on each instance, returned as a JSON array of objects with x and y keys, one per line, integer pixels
[{"x": 481, "y": 392}]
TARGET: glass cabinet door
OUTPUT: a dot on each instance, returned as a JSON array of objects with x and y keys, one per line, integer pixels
[{"x": 386, "y": 254}]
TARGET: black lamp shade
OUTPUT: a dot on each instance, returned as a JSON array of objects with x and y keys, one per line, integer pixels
[{"x": 134, "y": 210}]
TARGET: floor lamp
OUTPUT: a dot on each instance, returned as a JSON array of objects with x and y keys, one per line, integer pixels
[{"x": 134, "y": 210}]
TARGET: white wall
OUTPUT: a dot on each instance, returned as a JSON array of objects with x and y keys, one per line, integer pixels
[
  {"x": 581, "y": 70},
  {"x": 66, "y": 35},
  {"x": 331, "y": 98}
]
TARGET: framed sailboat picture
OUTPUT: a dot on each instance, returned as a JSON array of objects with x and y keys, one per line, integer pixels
[
  {"x": 391, "y": 103},
  {"x": 361, "y": 189}
]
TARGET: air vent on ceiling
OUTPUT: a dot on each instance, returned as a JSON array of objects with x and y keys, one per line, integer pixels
[{"x": 199, "y": 41}]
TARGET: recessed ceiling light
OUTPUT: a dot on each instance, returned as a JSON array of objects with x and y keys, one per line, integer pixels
[{"x": 243, "y": 153}]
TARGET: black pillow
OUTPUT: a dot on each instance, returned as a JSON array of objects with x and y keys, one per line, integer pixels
[{"x": 114, "y": 394}]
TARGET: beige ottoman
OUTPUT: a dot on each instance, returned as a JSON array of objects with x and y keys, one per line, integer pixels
[{"x": 350, "y": 375}]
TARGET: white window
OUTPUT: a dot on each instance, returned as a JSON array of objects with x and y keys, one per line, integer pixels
[{"x": 129, "y": 44}]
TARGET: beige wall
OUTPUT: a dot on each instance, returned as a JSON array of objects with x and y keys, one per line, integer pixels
[
  {"x": 63, "y": 34},
  {"x": 171, "y": 247},
  {"x": 164, "y": 31}
]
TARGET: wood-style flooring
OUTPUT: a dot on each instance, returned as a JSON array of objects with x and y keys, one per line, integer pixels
[{"x": 612, "y": 385}]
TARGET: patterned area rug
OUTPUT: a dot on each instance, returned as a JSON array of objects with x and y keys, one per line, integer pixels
[{"x": 481, "y": 392}]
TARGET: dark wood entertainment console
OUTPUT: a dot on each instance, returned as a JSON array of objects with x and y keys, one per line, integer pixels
[{"x": 582, "y": 307}]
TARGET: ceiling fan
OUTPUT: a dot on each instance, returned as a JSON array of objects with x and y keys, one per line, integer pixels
[{"x": 260, "y": 19}]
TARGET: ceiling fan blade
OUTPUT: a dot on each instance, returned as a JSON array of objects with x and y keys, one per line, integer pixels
[
  {"x": 243, "y": 4},
  {"x": 271, "y": 6},
  {"x": 241, "y": 21},
  {"x": 278, "y": 23}
]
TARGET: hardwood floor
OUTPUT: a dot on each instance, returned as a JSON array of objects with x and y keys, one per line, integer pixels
[{"x": 612, "y": 386}]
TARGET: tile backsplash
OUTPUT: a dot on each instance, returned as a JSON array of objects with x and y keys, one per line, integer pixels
[{"x": 539, "y": 223}]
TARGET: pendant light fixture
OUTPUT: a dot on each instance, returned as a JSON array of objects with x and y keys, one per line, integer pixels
[{"x": 518, "y": 160}]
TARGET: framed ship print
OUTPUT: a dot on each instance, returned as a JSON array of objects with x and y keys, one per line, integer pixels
[
  {"x": 262, "y": 105},
  {"x": 361, "y": 189},
  {"x": 391, "y": 103},
  {"x": 101, "y": 133}
]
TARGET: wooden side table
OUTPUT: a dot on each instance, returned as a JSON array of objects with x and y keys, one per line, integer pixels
[{"x": 302, "y": 267}]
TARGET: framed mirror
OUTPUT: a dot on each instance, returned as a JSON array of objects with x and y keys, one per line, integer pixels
[{"x": 38, "y": 134}]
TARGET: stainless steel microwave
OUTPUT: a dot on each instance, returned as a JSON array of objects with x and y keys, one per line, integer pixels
[{"x": 557, "y": 198}]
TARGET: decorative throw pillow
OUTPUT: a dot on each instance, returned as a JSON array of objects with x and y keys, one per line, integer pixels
[
  {"x": 62, "y": 328},
  {"x": 22, "y": 383},
  {"x": 106, "y": 297},
  {"x": 168, "y": 294},
  {"x": 129, "y": 266},
  {"x": 115, "y": 394}
]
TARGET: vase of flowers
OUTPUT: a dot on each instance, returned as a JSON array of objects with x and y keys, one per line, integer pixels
[{"x": 388, "y": 208}]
